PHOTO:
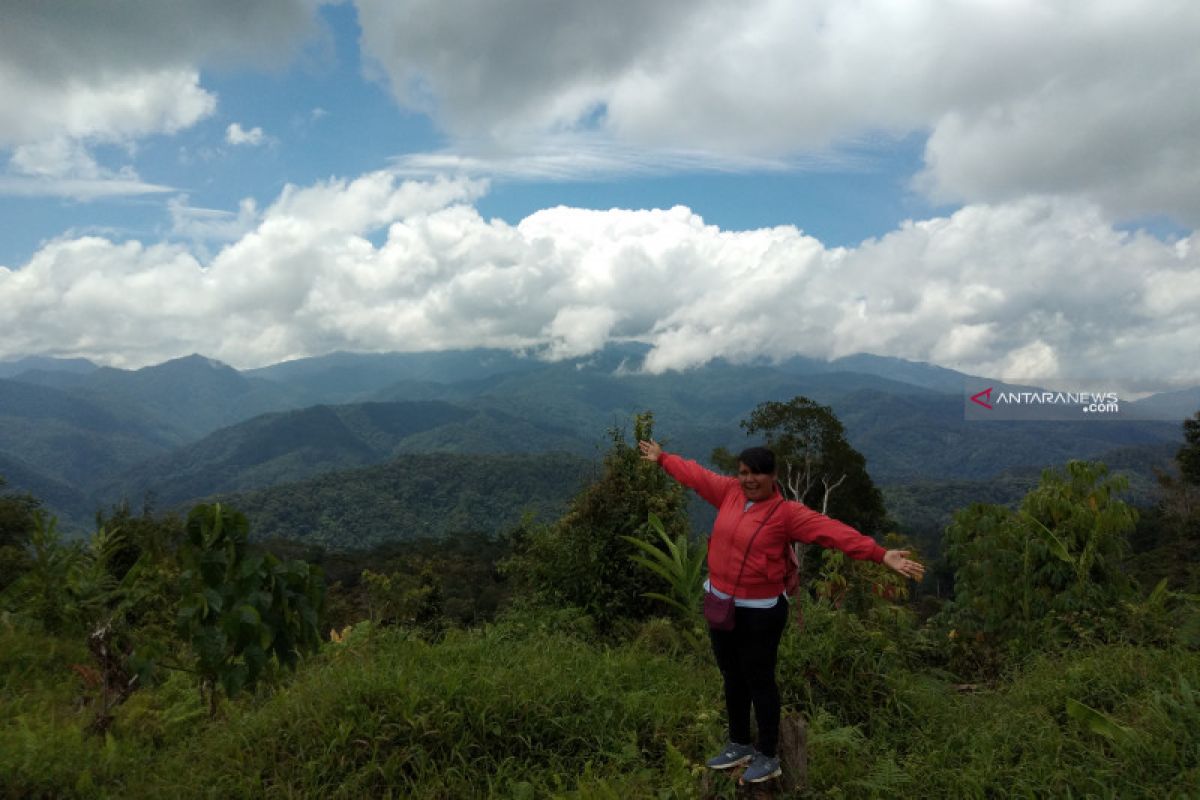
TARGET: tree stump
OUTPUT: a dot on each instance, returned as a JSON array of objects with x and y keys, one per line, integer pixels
[
  {"x": 793, "y": 759},
  {"x": 793, "y": 752}
]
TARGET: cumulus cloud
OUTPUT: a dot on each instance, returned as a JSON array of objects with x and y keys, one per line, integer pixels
[
  {"x": 236, "y": 135},
  {"x": 1084, "y": 98},
  {"x": 74, "y": 74},
  {"x": 1012, "y": 290},
  {"x": 55, "y": 158},
  {"x": 110, "y": 109}
]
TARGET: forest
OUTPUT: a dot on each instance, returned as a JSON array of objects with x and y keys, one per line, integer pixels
[{"x": 1052, "y": 651}]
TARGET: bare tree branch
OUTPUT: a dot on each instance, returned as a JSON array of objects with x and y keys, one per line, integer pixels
[{"x": 829, "y": 491}]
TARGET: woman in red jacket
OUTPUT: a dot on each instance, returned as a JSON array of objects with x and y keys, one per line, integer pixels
[{"x": 748, "y": 562}]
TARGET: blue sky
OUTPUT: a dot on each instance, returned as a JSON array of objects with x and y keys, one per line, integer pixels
[
  {"x": 1002, "y": 188},
  {"x": 324, "y": 117}
]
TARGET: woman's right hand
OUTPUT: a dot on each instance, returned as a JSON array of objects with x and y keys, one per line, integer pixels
[{"x": 651, "y": 450}]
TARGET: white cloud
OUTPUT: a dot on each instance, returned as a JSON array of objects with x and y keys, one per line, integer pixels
[
  {"x": 63, "y": 167},
  {"x": 210, "y": 224},
  {"x": 1087, "y": 98},
  {"x": 235, "y": 134},
  {"x": 104, "y": 108},
  {"x": 54, "y": 158},
  {"x": 80, "y": 73},
  {"x": 575, "y": 156},
  {"x": 115, "y": 185},
  {"x": 104, "y": 71},
  {"x": 1002, "y": 289},
  {"x": 578, "y": 331}
]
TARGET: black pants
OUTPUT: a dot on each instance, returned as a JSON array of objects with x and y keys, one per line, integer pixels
[{"x": 746, "y": 656}]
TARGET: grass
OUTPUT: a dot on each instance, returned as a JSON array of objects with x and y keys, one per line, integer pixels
[{"x": 532, "y": 707}]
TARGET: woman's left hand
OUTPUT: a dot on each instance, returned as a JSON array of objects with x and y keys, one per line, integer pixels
[{"x": 899, "y": 561}]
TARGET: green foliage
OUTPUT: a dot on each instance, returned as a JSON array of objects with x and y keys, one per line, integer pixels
[
  {"x": 531, "y": 706},
  {"x": 680, "y": 562},
  {"x": 583, "y": 559},
  {"x": 463, "y": 566},
  {"x": 1116, "y": 721},
  {"x": 815, "y": 463},
  {"x": 405, "y": 599},
  {"x": 501, "y": 712},
  {"x": 431, "y": 495},
  {"x": 1050, "y": 572},
  {"x": 242, "y": 610},
  {"x": 1189, "y": 454},
  {"x": 16, "y": 523},
  {"x": 45, "y": 591},
  {"x": 860, "y": 586},
  {"x": 535, "y": 705},
  {"x": 846, "y": 663}
]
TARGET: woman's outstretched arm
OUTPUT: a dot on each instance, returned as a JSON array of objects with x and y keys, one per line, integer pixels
[
  {"x": 706, "y": 483},
  {"x": 810, "y": 526}
]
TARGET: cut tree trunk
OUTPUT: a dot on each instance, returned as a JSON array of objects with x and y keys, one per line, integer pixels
[{"x": 793, "y": 759}]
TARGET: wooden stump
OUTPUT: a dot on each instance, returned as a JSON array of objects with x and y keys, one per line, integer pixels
[
  {"x": 793, "y": 752},
  {"x": 793, "y": 759}
]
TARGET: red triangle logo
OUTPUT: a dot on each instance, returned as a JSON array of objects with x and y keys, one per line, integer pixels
[{"x": 983, "y": 398}]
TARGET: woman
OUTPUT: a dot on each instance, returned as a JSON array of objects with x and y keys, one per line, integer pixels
[{"x": 748, "y": 561}]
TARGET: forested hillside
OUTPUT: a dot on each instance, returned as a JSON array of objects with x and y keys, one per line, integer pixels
[
  {"x": 172, "y": 657},
  {"x": 192, "y": 428},
  {"x": 289, "y": 446},
  {"x": 415, "y": 496}
]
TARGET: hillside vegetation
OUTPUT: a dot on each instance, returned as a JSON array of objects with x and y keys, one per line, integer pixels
[
  {"x": 416, "y": 496},
  {"x": 177, "y": 432},
  {"x": 173, "y": 658}
]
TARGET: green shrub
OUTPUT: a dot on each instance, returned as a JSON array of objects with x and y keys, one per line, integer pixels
[
  {"x": 1048, "y": 575},
  {"x": 843, "y": 664},
  {"x": 1021, "y": 741},
  {"x": 242, "y": 611},
  {"x": 582, "y": 560},
  {"x": 484, "y": 713}
]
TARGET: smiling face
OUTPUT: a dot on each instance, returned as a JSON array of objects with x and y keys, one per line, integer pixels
[{"x": 755, "y": 485}]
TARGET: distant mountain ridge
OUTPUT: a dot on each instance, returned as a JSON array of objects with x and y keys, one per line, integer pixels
[
  {"x": 293, "y": 445},
  {"x": 60, "y": 437},
  {"x": 194, "y": 427},
  {"x": 76, "y": 366}
]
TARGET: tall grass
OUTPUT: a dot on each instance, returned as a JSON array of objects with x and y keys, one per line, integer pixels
[
  {"x": 486, "y": 713},
  {"x": 533, "y": 707}
]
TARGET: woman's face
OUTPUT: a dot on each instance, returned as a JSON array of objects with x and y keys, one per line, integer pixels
[{"x": 755, "y": 485}]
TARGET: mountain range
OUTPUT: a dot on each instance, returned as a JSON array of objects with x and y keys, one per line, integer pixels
[{"x": 82, "y": 437}]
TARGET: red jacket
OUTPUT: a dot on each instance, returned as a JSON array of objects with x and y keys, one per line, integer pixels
[{"x": 766, "y": 565}]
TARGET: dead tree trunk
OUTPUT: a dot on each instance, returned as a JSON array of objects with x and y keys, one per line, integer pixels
[{"x": 116, "y": 684}]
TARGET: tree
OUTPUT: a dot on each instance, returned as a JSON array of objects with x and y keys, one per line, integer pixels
[
  {"x": 1052, "y": 571},
  {"x": 815, "y": 463},
  {"x": 403, "y": 598},
  {"x": 116, "y": 595},
  {"x": 240, "y": 611},
  {"x": 16, "y": 524},
  {"x": 1168, "y": 533},
  {"x": 1189, "y": 454},
  {"x": 582, "y": 559},
  {"x": 43, "y": 590}
]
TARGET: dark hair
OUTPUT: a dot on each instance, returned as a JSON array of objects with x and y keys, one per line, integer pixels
[{"x": 759, "y": 460}]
